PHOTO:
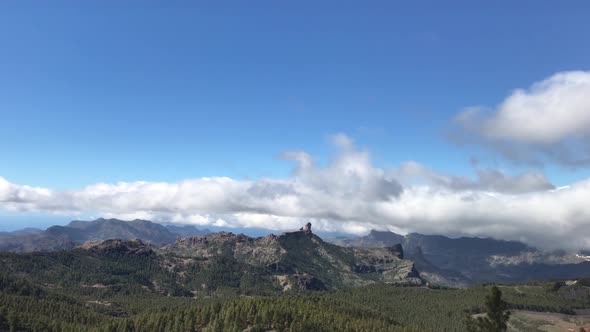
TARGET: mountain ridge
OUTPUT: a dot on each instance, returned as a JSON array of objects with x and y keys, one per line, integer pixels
[
  {"x": 292, "y": 261},
  {"x": 77, "y": 232},
  {"x": 469, "y": 260},
  {"x": 455, "y": 262}
]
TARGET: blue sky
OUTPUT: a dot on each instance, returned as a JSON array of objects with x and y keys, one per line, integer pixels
[
  {"x": 166, "y": 92},
  {"x": 145, "y": 91}
]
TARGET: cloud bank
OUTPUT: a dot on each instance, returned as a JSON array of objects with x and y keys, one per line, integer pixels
[
  {"x": 349, "y": 194},
  {"x": 550, "y": 121}
]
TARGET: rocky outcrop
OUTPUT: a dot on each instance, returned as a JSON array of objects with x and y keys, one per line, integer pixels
[
  {"x": 306, "y": 281},
  {"x": 306, "y": 229},
  {"x": 119, "y": 247},
  {"x": 302, "y": 257},
  {"x": 261, "y": 251}
]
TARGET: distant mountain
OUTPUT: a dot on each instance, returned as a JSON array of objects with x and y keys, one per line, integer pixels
[
  {"x": 436, "y": 275},
  {"x": 28, "y": 230},
  {"x": 102, "y": 229},
  {"x": 35, "y": 241},
  {"x": 77, "y": 232},
  {"x": 374, "y": 239},
  {"x": 466, "y": 260},
  {"x": 186, "y": 230}
]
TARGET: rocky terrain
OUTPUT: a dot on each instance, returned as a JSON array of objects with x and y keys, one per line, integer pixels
[
  {"x": 202, "y": 264},
  {"x": 301, "y": 259}
]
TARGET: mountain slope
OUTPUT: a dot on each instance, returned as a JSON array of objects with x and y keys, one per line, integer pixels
[{"x": 465, "y": 260}]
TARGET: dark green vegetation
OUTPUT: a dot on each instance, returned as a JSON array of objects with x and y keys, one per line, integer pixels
[
  {"x": 496, "y": 315},
  {"x": 26, "y": 305}
]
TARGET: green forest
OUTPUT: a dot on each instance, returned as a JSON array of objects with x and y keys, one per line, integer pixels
[{"x": 25, "y": 306}]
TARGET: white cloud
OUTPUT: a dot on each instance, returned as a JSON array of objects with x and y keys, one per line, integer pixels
[
  {"x": 550, "y": 219},
  {"x": 348, "y": 194},
  {"x": 549, "y": 121}
]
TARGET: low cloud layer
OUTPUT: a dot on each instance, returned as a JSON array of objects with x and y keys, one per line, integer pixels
[
  {"x": 550, "y": 121},
  {"x": 349, "y": 194}
]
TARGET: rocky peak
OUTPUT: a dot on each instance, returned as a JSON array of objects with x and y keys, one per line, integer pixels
[
  {"x": 306, "y": 228},
  {"x": 192, "y": 241},
  {"x": 303, "y": 232}
]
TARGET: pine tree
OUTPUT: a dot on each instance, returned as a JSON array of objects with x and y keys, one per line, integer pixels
[{"x": 497, "y": 315}]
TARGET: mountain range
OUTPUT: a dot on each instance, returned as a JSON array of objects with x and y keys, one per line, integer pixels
[
  {"x": 77, "y": 232},
  {"x": 199, "y": 264},
  {"x": 303, "y": 260}
]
